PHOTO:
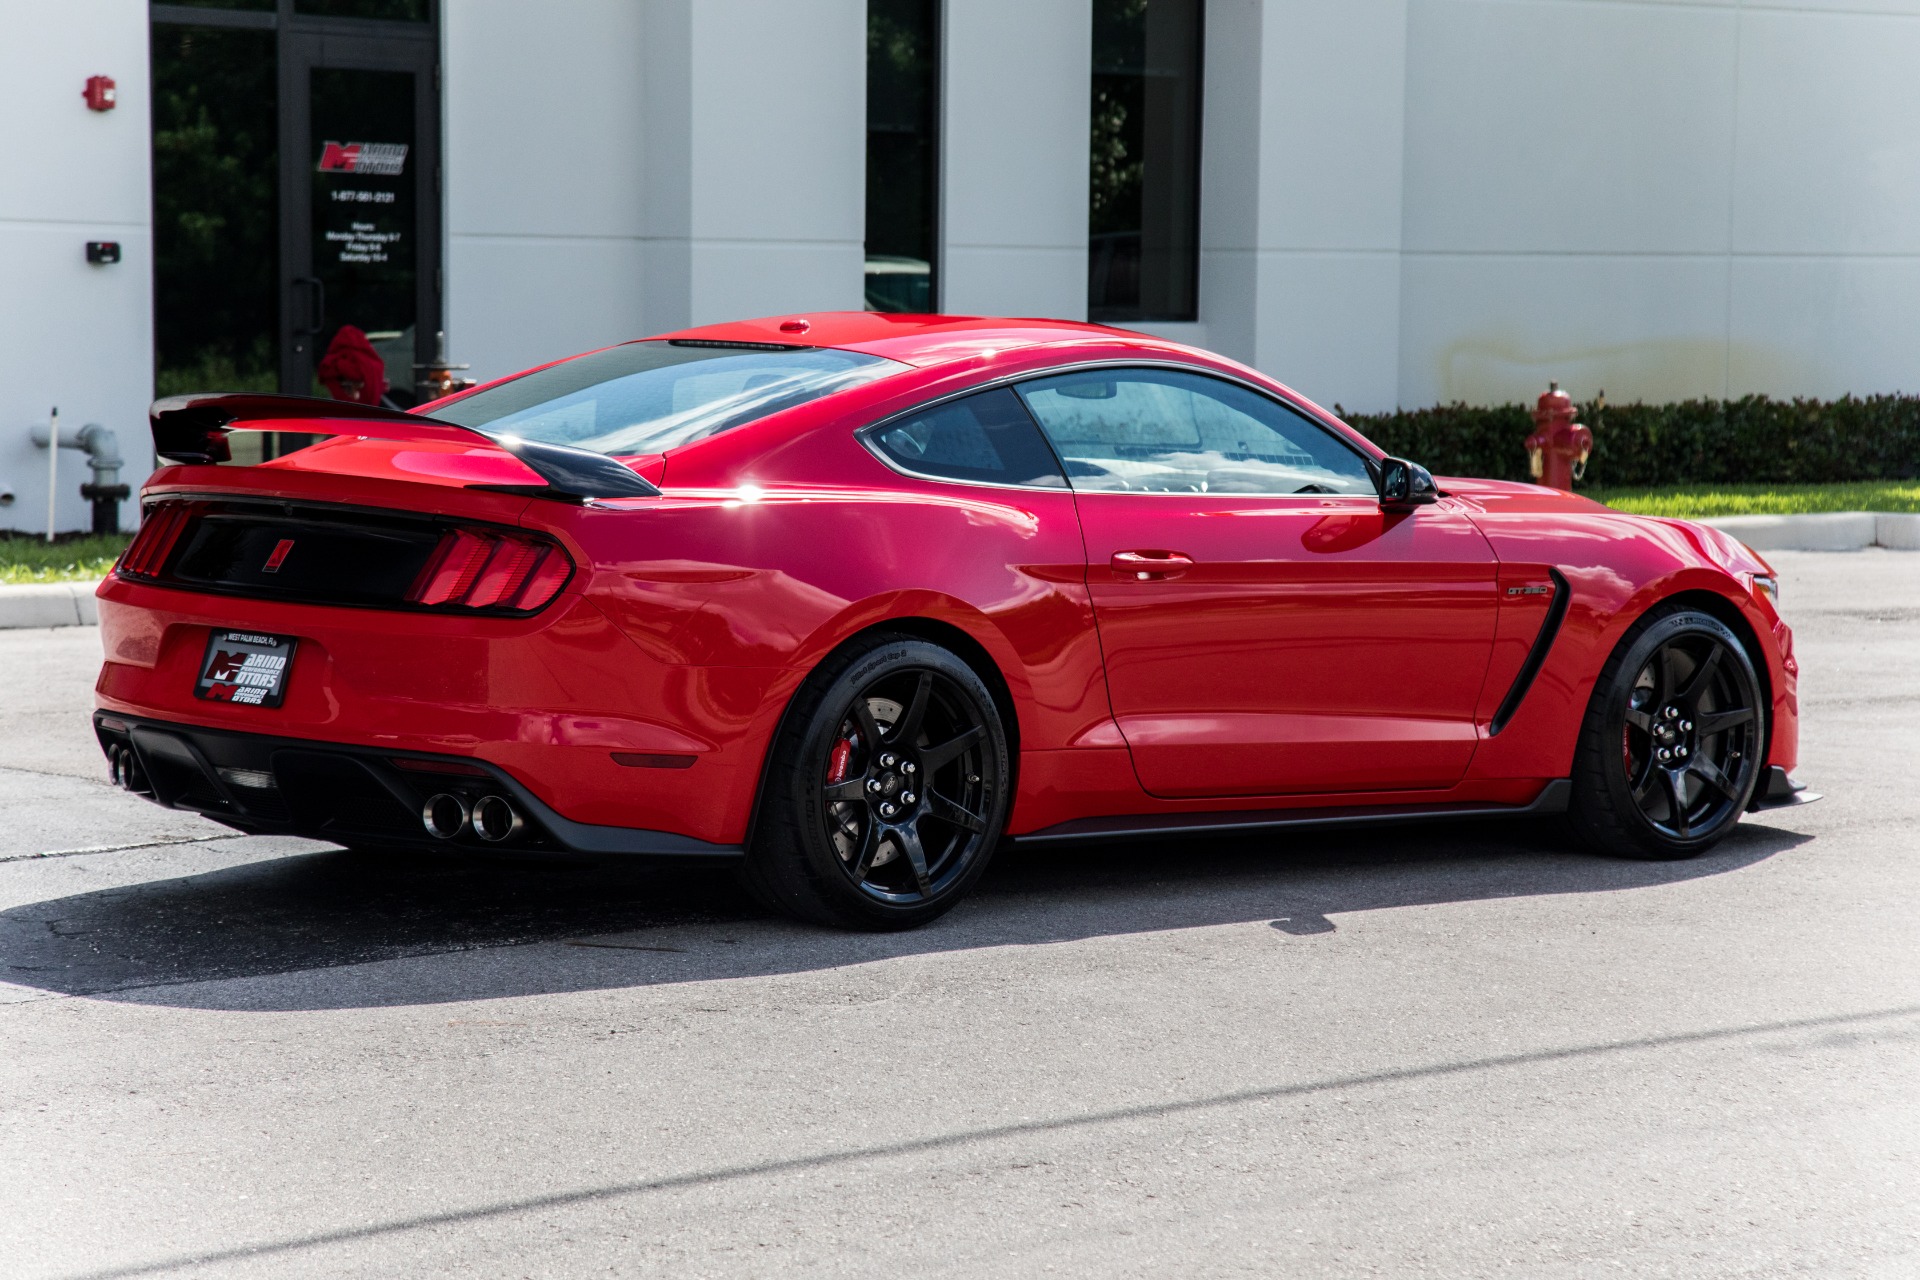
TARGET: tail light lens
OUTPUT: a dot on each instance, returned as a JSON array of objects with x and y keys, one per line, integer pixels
[
  {"x": 481, "y": 569},
  {"x": 159, "y": 534}
]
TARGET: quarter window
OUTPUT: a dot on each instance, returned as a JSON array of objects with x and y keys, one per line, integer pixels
[
  {"x": 987, "y": 438},
  {"x": 1164, "y": 431}
]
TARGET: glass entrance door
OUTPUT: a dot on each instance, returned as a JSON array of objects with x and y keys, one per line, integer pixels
[
  {"x": 296, "y": 161},
  {"x": 360, "y": 231}
]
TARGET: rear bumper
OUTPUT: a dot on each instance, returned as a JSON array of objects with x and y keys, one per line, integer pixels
[
  {"x": 350, "y": 795},
  {"x": 561, "y": 703}
]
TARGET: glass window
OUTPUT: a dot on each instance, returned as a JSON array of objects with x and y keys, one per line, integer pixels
[
  {"x": 216, "y": 210},
  {"x": 648, "y": 397},
  {"x": 903, "y": 60},
  {"x": 987, "y": 437},
  {"x": 1163, "y": 431},
  {"x": 1144, "y": 212}
]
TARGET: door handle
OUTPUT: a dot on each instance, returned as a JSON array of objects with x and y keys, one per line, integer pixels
[
  {"x": 1151, "y": 566},
  {"x": 316, "y": 299}
]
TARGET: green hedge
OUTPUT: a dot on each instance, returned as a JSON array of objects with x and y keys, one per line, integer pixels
[{"x": 1753, "y": 440}]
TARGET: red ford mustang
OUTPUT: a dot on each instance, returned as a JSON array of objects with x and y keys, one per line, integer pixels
[{"x": 845, "y": 600}]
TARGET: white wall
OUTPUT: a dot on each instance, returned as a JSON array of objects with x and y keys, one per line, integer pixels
[
  {"x": 1662, "y": 200},
  {"x": 1416, "y": 201},
  {"x": 1017, "y": 91},
  {"x": 71, "y": 334},
  {"x": 760, "y": 205},
  {"x": 622, "y": 167},
  {"x": 545, "y": 142},
  {"x": 1301, "y": 194}
]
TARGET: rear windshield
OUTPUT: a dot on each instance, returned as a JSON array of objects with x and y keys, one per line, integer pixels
[{"x": 647, "y": 397}]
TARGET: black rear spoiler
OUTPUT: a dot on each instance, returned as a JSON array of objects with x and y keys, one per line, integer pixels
[{"x": 193, "y": 429}]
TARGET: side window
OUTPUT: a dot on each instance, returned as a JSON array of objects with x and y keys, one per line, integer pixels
[
  {"x": 1164, "y": 431},
  {"x": 987, "y": 437}
]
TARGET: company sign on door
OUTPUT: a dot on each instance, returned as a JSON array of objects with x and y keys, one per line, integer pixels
[{"x": 377, "y": 159}]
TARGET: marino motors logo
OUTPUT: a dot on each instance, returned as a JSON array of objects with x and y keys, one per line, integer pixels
[{"x": 377, "y": 159}]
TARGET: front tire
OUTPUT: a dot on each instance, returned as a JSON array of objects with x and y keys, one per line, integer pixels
[
  {"x": 887, "y": 789},
  {"x": 1673, "y": 742}
]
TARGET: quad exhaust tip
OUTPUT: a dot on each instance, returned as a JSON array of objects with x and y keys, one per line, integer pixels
[
  {"x": 495, "y": 820},
  {"x": 492, "y": 818},
  {"x": 445, "y": 816},
  {"x": 123, "y": 768}
]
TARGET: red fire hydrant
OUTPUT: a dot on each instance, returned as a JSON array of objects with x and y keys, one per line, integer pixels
[{"x": 1558, "y": 448}]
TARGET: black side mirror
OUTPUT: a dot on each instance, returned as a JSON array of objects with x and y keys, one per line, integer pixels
[{"x": 1406, "y": 484}]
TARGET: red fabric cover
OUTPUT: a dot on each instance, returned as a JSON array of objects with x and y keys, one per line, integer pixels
[{"x": 351, "y": 358}]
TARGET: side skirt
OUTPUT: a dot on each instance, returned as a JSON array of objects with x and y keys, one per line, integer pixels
[{"x": 1552, "y": 799}]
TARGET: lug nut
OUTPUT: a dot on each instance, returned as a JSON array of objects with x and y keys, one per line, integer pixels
[
  {"x": 873, "y": 784},
  {"x": 888, "y": 760},
  {"x": 906, "y": 797},
  {"x": 1665, "y": 754},
  {"x": 1687, "y": 725},
  {"x": 1671, "y": 712},
  {"x": 887, "y": 810},
  {"x": 908, "y": 767}
]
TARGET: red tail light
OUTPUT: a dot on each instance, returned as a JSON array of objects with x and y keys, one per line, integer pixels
[
  {"x": 481, "y": 569},
  {"x": 159, "y": 532}
]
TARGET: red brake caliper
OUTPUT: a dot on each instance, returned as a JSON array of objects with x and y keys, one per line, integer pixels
[{"x": 837, "y": 763}]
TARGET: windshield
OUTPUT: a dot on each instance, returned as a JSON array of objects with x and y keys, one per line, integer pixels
[{"x": 648, "y": 397}]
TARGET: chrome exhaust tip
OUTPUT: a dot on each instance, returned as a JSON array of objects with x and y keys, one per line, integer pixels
[
  {"x": 445, "y": 816},
  {"x": 495, "y": 820},
  {"x": 123, "y": 768}
]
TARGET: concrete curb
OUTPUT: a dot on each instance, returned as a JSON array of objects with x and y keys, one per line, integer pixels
[
  {"x": 1827, "y": 531},
  {"x": 1900, "y": 532},
  {"x": 49, "y": 604}
]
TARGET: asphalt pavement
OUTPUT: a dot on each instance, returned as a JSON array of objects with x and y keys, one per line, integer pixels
[{"x": 1436, "y": 1051}]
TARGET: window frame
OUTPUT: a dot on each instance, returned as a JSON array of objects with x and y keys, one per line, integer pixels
[{"x": 1346, "y": 436}]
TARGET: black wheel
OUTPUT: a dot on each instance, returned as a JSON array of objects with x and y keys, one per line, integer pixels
[
  {"x": 886, "y": 791},
  {"x": 1672, "y": 744}
]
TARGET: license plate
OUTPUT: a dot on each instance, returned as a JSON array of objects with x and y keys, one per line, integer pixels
[{"x": 245, "y": 667}]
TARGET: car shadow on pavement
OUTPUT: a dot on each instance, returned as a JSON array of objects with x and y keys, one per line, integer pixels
[{"x": 310, "y": 930}]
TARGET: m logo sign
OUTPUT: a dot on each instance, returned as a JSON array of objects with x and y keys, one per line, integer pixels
[{"x": 377, "y": 159}]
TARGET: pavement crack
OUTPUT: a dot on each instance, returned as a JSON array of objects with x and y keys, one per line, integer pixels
[
  {"x": 622, "y": 946},
  {"x": 119, "y": 848},
  {"x": 989, "y": 1133}
]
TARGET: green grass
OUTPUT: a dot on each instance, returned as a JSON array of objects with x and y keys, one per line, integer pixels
[
  {"x": 1696, "y": 501},
  {"x": 72, "y": 559}
]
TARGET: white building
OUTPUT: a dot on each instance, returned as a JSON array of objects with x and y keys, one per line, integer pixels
[{"x": 1380, "y": 202}]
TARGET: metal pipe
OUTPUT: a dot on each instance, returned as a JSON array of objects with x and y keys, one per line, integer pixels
[
  {"x": 53, "y": 471},
  {"x": 105, "y": 491}
]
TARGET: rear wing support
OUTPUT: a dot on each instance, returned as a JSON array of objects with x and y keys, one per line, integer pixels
[{"x": 194, "y": 429}]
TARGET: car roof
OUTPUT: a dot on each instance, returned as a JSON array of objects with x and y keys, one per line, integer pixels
[{"x": 910, "y": 339}]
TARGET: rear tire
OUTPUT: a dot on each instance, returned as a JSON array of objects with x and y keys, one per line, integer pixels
[
  {"x": 1673, "y": 741},
  {"x": 886, "y": 792}
]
